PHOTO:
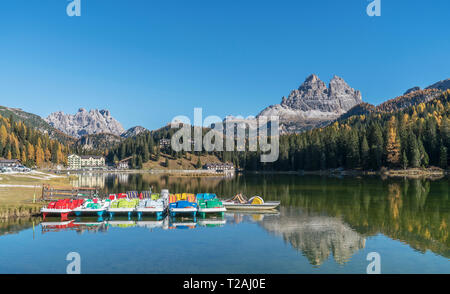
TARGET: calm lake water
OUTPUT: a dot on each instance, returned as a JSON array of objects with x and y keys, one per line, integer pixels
[{"x": 324, "y": 225}]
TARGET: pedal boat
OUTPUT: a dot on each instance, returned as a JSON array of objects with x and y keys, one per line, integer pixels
[
  {"x": 155, "y": 205},
  {"x": 90, "y": 207},
  {"x": 182, "y": 204},
  {"x": 239, "y": 202},
  {"x": 209, "y": 204},
  {"x": 122, "y": 206},
  {"x": 61, "y": 208}
]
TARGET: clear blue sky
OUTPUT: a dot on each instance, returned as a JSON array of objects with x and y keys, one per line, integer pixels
[{"x": 148, "y": 61}]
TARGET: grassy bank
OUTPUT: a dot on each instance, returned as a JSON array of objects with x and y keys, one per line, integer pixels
[{"x": 17, "y": 192}]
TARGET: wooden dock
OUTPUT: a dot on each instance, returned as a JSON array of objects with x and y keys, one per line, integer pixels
[{"x": 50, "y": 193}]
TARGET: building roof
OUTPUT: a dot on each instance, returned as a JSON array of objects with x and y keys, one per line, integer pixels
[
  {"x": 2, "y": 160},
  {"x": 126, "y": 159},
  {"x": 91, "y": 156}
]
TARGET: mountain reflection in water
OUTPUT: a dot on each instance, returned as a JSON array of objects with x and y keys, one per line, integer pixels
[
  {"x": 315, "y": 236},
  {"x": 320, "y": 217}
]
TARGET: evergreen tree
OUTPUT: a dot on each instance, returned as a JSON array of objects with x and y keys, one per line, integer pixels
[
  {"x": 365, "y": 153},
  {"x": 443, "y": 157},
  {"x": 392, "y": 144}
]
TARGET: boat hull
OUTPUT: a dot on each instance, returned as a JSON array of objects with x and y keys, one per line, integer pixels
[
  {"x": 158, "y": 211},
  {"x": 63, "y": 213},
  {"x": 239, "y": 206},
  {"x": 81, "y": 212},
  {"x": 183, "y": 211},
  {"x": 120, "y": 211}
]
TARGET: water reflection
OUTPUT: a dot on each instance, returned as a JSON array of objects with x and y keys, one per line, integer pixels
[
  {"x": 319, "y": 216},
  {"x": 316, "y": 236}
]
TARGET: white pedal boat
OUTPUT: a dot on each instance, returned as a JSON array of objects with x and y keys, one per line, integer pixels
[
  {"x": 247, "y": 206},
  {"x": 147, "y": 206},
  {"x": 254, "y": 203}
]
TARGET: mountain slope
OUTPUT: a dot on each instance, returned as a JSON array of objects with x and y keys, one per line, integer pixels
[
  {"x": 35, "y": 121},
  {"x": 98, "y": 141},
  {"x": 411, "y": 97},
  {"x": 132, "y": 132}
]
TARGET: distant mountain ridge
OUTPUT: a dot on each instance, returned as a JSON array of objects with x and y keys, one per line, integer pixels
[{"x": 85, "y": 122}]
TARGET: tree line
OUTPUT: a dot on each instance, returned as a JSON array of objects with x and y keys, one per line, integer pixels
[
  {"x": 30, "y": 146},
  {"x": 414, "y": 137}
]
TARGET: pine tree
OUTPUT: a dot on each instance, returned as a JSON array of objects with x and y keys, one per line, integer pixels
[
  {"x": 443, "y": 158},
  {"x": 414, "y": 153},
  {"x": 404, "y": 160},
  {"x": 393, "y": 144},
  {"x": 365, "y": 153},
  {"x": 199, "y": 163}
]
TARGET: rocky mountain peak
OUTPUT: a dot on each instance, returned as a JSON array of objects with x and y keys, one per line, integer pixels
[
  {"x": 85, "y": 122},
  {"x": 314, "y": 104}
]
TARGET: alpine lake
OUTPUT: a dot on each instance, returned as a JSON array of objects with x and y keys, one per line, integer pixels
[{"x": 324, "y": 225}]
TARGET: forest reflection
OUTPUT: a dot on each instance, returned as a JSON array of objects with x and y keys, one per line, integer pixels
[{"x": 325, "y": 215}]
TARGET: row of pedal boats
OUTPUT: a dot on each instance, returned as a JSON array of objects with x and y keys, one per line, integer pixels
[{"x": 155, "y": 204}]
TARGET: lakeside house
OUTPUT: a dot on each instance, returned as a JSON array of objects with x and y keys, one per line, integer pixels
[
  {"x": 219, "y": 167},
  {"x": 124, "y": 163},
  {"x": 164, "y": 144},
  {"x": 9, "y": 162},
  {"x": 77, "y": 162}
]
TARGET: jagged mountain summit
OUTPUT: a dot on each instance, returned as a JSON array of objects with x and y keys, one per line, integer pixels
[
  {"x": 314, "y": 104},
  {"x": 85, "y": 122}
]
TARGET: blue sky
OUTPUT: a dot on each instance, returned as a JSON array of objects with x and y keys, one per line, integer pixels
[{"x": 149, "y": 61}]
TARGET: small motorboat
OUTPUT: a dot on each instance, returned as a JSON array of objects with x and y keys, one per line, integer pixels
[
  {"x": 209, "y": 204},
  {"x": 62, "y": 208},
  {"x": 182, "y": 204},
  {"x": 92, "y": 206},
  {"x": 239, "y": 202}
]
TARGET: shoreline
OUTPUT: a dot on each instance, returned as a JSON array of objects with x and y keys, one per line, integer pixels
[
  {"x": 26, "y": 207},
  {"x": 409, "y": 173}
]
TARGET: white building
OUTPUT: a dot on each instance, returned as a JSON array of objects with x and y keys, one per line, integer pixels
[{"x": 76, "y": 162}]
